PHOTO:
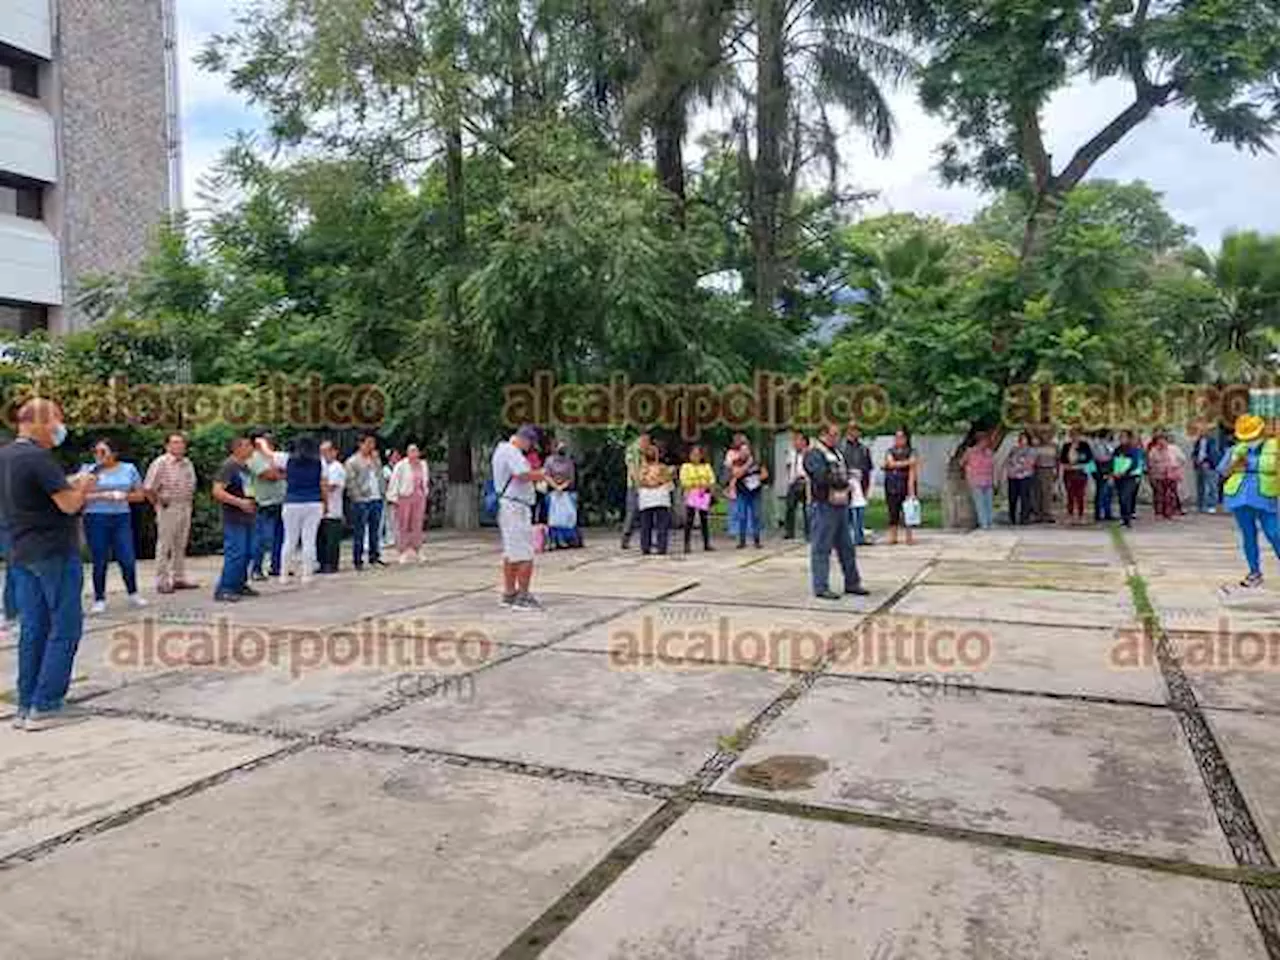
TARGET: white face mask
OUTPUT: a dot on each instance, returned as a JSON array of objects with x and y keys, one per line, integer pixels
[{"x": 59, "y": 434}]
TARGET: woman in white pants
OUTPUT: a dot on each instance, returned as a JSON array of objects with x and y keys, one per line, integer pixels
[{"x": 303, "y": 508}]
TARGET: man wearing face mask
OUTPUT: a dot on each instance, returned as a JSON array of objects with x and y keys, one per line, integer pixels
[{"x": 40, "y": 505}]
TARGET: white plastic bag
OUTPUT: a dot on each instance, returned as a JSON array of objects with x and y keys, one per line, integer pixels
[{"x": 911, "y": 512}]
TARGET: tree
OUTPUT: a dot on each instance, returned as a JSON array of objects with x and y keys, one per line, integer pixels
[
  {"x": 1238, "y": 324},
  {"x": 992, "y": 67},
  {"x": 812, "y": 57},
  {"x": 949, "y": 330},
  {"x": 1134, "y": 209}
]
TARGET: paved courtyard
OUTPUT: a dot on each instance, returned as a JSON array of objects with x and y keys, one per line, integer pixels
[{"x": 1009, "y": 749}]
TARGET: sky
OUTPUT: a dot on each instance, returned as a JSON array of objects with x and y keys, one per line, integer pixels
[{"x": 1211, "y": 187}]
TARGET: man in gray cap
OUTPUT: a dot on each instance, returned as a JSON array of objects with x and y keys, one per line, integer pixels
[{"x": 514, "y": 478}]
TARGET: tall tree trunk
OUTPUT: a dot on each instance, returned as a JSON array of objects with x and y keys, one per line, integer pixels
[
  {"x": 668, "y": 134},
  {"x": 771, "y": 128},
  {"x": 1040, "y": 222},
  {"x": 462, "y": 510}
]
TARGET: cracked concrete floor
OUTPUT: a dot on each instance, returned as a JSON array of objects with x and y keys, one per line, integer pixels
[{"x": 683, "y": 757}]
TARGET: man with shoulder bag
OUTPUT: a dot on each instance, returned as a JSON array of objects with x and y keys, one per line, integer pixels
[{"x": 829, "y": 489}]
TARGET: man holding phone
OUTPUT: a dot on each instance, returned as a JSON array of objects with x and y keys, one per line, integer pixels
[{"x": 40, "y": 505}]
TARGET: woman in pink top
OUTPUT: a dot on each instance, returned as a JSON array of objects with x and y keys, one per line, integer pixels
[
  {"x": 410, "y": 484},
  {"x": 980, "y": 472},
  {"x": 1165, "y": 470}
]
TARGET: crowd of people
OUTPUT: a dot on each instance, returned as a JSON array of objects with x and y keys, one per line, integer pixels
[
  {"x": 283, "y": 511},
  {"x": 1114, "y": 465}
]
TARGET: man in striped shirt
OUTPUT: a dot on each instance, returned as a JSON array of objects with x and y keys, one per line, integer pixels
[{"x": 170, "y": 486}]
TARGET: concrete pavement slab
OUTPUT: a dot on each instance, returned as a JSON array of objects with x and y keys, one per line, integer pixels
[
  {"x": 1018, "y": 605},
  {"x": 740, "y": 885},
  {"x": 482, "y": 614},
  {"x": 657, "y": 576},
  {"x": 1054, "y": 576},
  {"x": 793, "y": 590},
  {"x": 714, "y": 633},
  {"x": 311, "y": 685},
  {"x": 61, "y": 779},
  {"x": 1080, "y": 661},
  {"x": 1249, "y": 743},
  {"x": 327, "y": 855},
  {"x": 1047, "y": 549},
  {"x": 575, "y": 710},
  {"x": 1099, "y": 775}
]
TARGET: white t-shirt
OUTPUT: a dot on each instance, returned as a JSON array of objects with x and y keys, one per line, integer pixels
[
  {"x": 508, "y": 463},
  {"x": 336, "y": 477}
]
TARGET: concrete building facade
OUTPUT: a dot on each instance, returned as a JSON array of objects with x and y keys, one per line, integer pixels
[{"x": 89, "y": 156}]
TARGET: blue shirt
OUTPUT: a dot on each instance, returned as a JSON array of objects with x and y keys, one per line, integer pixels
[
  {"x": 121, "y": 478},
  {"x": 1249, "y": 494},
  {"x": 303, "y": 480}
]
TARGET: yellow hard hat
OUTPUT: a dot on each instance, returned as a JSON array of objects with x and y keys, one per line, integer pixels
[{"x": 1249, "y": 427}]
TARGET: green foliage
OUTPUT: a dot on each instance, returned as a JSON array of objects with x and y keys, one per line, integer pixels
[
  {"x": 1229, "y": 308},
  {"x": 947, "y": 326},
  {"x": 994, "y": 66},
  {"x": 1133, "y": 209}
]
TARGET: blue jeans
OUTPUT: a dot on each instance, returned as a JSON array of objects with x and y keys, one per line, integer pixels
[
  {"x": 1248, "y": 519},
  {"x": 268, "y": 536},
  {"x": 983, "y": 505},
  {"x": 48, "y": 596},
  {"x": 1206, "y": 488},
  {"x": 111, "y": 534},
  {"x": 366, "y": 518},
  {"x": 830, "y": 531},
  {"x": 748, "y": 515},
  {"x": 236, "y": 540},
  {"x": 1104, "y": 487},
  {"x": 857, "y": 531},
  {"x": 10, "y": 588}
]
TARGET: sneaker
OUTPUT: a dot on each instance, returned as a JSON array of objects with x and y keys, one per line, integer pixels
[
  {"x": 508, "y": 599},
  {"x": 46, "y": 720},
  {"x": 226, "y": 597},
  {"x": 1212, "y": 510},
  {"x": 858, "y": 591},
  {"x": 827, "y": 595},
  {"x": 99, "y": 606},
  {"x": 527, "y": 601},
  {"x": 377, "y": 563},
  {"x": 19, "y": 720},
  {"x": 249, "y": 592},
  {"x": 1252, "y": 582},
  {"x": 136, "y": 600}
]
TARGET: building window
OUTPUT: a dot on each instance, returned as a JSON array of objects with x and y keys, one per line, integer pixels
[
  {"x": 23, "y": 318},
  {"x": 18, "y": 75},
  {"x": 21, "y": 198}
]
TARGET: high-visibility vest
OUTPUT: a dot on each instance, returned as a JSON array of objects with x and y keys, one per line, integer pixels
[{"x": 1268, "y": 461}]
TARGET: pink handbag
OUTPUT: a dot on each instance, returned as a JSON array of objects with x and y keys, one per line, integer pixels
[{"x": 698, "y": 499}]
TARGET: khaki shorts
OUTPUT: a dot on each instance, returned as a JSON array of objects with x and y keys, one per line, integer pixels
[{"x": 515, "y": 522}]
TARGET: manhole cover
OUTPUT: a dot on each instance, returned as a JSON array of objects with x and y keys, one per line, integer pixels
[{"x": 783, "y": 772}]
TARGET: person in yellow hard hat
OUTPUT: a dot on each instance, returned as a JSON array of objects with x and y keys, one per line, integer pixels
[{"x": 1252, "y": 471}]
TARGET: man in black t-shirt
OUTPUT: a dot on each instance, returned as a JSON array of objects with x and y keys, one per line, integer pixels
[
  {"x": 40, "y": 507},
  {"x": 238, "y": 508}
]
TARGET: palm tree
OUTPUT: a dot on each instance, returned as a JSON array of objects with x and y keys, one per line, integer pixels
[
  {"x": 813, "y": 58},
  {"x": 1240, "y": 337}
]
